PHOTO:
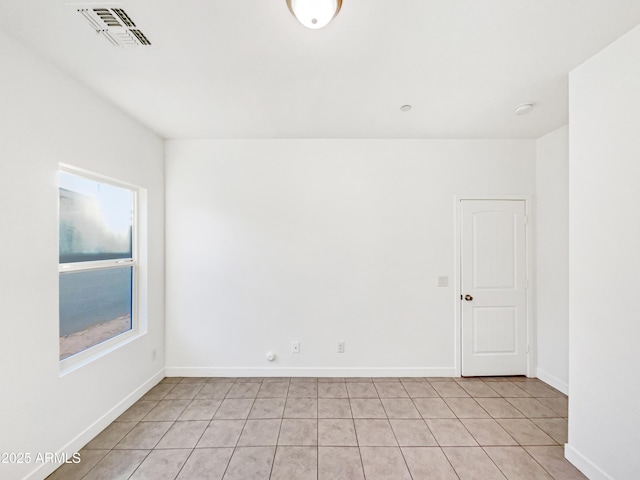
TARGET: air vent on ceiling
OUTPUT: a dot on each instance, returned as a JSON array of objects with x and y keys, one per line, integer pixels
[{"x": 115, "y": 25}]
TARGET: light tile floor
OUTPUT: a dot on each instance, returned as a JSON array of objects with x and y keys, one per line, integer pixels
[{"x": 334, "y": 429}]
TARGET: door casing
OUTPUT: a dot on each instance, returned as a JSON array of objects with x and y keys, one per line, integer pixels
[{"x": 529, "y": 275}]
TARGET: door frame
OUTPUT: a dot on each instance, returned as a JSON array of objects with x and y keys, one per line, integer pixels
[{"x": 529, "y": 226}]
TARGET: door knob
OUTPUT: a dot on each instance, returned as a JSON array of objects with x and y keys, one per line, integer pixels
[{"x": 468, "y": 298}]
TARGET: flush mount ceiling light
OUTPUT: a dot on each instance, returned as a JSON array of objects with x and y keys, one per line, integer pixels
[
  {"x": 314, "y": 13},
  {"x": 524, "y": 108},
  {"x": 405, "y": 108}
]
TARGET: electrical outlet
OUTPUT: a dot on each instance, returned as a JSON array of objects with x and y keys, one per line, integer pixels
[
  {"x": 443, "y": 281},
  {"x": 295, "y": 347},
  {"x": 341, "y": 347}
]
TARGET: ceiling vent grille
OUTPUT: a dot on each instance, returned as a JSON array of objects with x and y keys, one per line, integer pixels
[{"x": 115, "y": 25}]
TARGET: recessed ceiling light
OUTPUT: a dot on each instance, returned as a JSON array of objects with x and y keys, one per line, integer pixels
[
  {"x": 405, "y": 108},
  {"x": 524, "y": 108}
]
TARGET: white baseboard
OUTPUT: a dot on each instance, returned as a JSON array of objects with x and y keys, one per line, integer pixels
[
  {"x": 309, "y": 372},
  {"x": 96, "y": 427},
  {"x": 553, "y": 381},
  {"x": 592, "y": 471}
]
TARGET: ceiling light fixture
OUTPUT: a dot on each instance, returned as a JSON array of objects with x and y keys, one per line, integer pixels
[
  {"x": 405, "y": 108},
  {"x": 314, "y": 13},
  {"x": 524, "y": 108}
]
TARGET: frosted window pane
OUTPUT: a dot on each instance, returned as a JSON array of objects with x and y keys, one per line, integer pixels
[
  {"x": 95, "y": 305},
  {"x": 95, "y": 220}
]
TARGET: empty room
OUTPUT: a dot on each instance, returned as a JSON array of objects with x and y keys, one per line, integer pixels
[{"x": 319, "y": 239}]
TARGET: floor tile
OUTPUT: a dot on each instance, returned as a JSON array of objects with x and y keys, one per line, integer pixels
[
  {"x": 249, "y": 380},
  {"x": 76, "y": 471},
  {"x": 303, "y": 390},
  {"x": 390, "y": 389},
  {"x": 472, "y": 463},
  {"x": 298, "y": 432},
  {"x": 137, "y": 411},
  {"x": 332, "y": 390},
  {"x": 556, "y": 428},
  {"x": 183, "y": 434},
  {"x": 374, "y": 433},
  {"x": 244, "y": 390},
  {"x": 172, "y": 379},
  {"x": 499, "y": 408},
  {"x": 221, "y": 433},
  {"x": 517, "y": 464},
  {"x": 214, "y": 390},
  {"x": 250, "y": 463},
  {"x": 412, "y": 433},
  {"x": 531, "y": 407},
  {"x": 538, "y": 389},
  {"x": 361, "y": 390},
  {"x": 273, "y": 390},
  {"x": 254, "y": 428},
  {"x": 560, "y": 405},
  {"x": 336, "y": 432},
  {"x": 221, "y": 379},
  {"x": 144, "y": 436},
  {"x": 200, "y": 410},
  {"x": 450, "y": 432},
  {"x": 339, "y": 463},
  {"x": 260, "y": 433},
  {"x": 267, "y": 408},
  {"x": 184, "y": 391},
  {"x": 419, "y": 389},
  {"x": 166, "y": 410},
  {"x": 400, "y": 408},
  {"x": 301, "y": 408},
  {"x": 433, "y": 408},
  {"x": 304, "y": 380},
  {"x": 189, "y": 380},
  {"x": 488, "y": 432},
  {"x": 509, "y": 389},
  {"x": 234, "y": 409},
  {"x": 159, "y": 391},
  {"x": 110, "y": 436},
  {"x": 449, "y": 389},
  {"x": 117, "y": 465},
  {"x": 466, "y": 408},
  {"x": 384, "y": 463},
  {"x": 552, "y": 459},
  {"x": 367, "y": 408},
  {"x": 428, "y": 463},
  {"x": 206, "y": 464},
  {"x": 299, "y": 463},
  {"x": 286, "y": 380},
  {"x": 479, "y": 389},
  {"x": 334, "y": 408},
  {"x": 161, "y": 465},
  {"x": 526, "y": 432}
]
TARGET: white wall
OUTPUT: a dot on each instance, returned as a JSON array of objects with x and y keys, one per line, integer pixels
[
  {"x": 604, "y": 425},
  {"x": 47, "y": 118},
  {"x": 271, "y": 241},
  {"x": 552, "y": 258}
]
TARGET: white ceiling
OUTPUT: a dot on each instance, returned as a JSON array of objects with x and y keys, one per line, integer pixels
[{"x": 248, "y": 69}]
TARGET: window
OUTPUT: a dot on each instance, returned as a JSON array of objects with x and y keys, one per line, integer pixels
[{"x": 97, "y": 265}]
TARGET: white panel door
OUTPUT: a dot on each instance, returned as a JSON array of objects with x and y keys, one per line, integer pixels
[{"x": 493, "y": 287}]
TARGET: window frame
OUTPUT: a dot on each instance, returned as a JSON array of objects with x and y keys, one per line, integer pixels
[{"x": 100, "y": 349}]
